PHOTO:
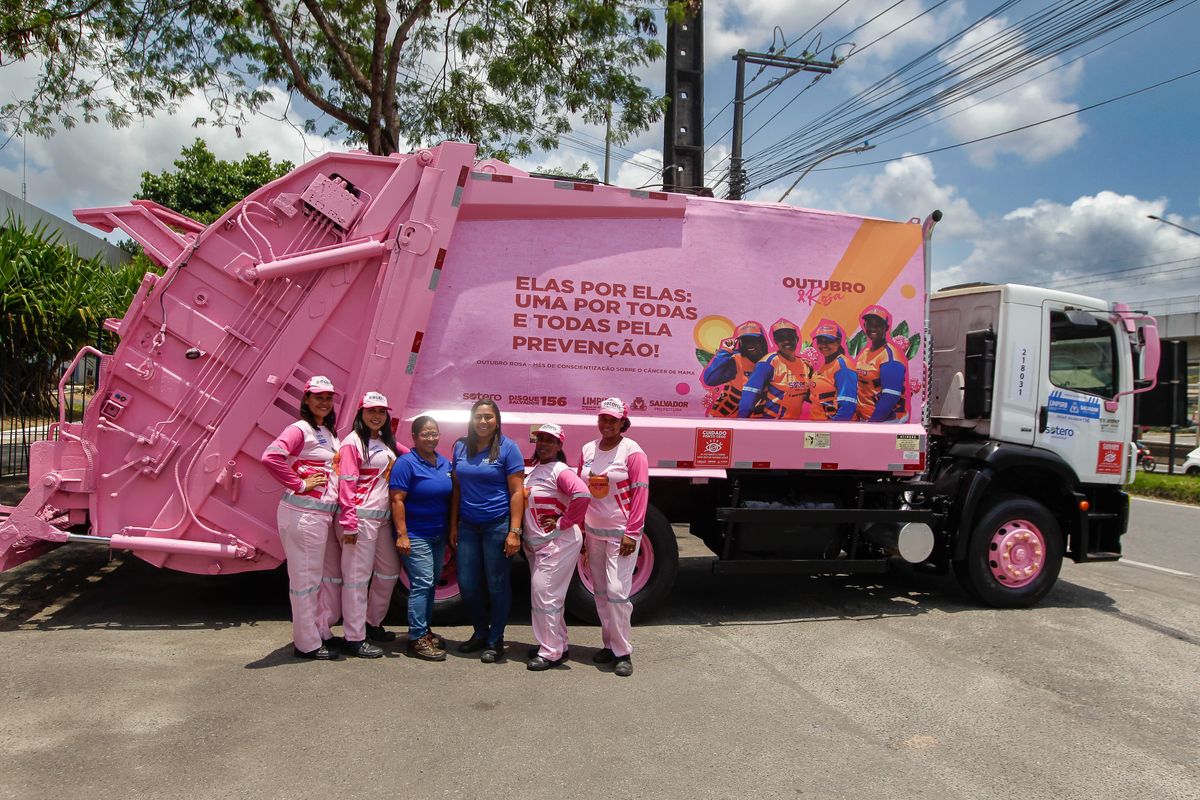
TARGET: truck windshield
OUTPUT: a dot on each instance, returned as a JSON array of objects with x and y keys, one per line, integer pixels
[{"x": 1083, "y": 354}]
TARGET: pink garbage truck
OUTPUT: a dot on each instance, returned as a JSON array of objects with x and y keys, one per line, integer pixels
[{"x": 806, "y": 402}]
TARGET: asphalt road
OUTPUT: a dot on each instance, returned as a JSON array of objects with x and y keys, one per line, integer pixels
[{"x": 120, "y": 680}]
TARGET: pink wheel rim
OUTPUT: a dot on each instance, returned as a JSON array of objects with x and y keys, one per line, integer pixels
[
  {"x": 447, "y": 585},
  {"x": 1017, "y": 553},
  {"x": 642, "y": 570}
]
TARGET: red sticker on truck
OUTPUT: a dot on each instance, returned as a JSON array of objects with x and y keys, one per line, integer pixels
[
  {"x": 714, "y": 447},
  {"x": 1108, "y": 459}
]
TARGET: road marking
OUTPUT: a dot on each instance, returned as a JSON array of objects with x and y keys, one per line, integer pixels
[
  {"x": 1165, "y": 502},
  {"x": 1159, "y": 569}
]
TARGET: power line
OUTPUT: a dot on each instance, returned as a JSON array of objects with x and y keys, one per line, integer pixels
[{"x": 1017, "y": 129}]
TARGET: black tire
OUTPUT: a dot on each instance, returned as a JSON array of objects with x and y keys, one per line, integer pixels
[
  {"x": 661, "y": 539},
  {"x": 975, "y": 572},
  {"x": 1148, "y": 464},
  {"x": 1194, "y": 471}
]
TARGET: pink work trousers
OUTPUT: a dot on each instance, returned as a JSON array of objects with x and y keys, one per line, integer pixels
[
  {"x": 305, "y": 535},
  {"x": 612, "y": 584},
  {"x": 370, "y": 568},
  {"x": 551, "y": 565}
]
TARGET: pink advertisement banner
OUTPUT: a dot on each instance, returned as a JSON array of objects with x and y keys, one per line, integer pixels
[{"x": 734, "y": 311}]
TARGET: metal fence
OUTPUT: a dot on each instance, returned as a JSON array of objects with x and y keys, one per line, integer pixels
[{"x": 19, "y": 429}]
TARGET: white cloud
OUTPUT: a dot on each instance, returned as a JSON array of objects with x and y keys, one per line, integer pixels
[
  {"x": 909, "y": 188},
  {"x": 1093, "y": 246},
  {"x": 1020, "y": 104},
  {"x": 900, "y": 190},
  {"x": 97, "y": 165}
]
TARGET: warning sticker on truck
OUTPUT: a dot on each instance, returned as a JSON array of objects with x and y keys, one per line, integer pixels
[
  {"x": 816, "y": 441},
  {"x": 908, "y": 442},
  {"x": 714, "y": 447},
  {"x": 1108, "y": 458}
]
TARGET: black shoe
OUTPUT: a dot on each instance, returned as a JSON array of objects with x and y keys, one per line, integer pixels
[
  {"x": 363, "y": 649},
  {"x": 605, "y": 656},
  {"x": 473, "y": 645},
  {"x": 334, "y": 643},
  {"x": 493, "y": 653},
  {"x": 377, "y": 633},
  {"x": 624, "y": 667},
  {"x": 320, "y": 654},
  {"x": 533, "y": 653},
  {"x": 538, "y": 664}
]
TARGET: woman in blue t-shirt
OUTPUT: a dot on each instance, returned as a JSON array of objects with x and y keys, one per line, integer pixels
[
  {"x": 420, "y": 493},
  {"x": 485, "y": 525}
]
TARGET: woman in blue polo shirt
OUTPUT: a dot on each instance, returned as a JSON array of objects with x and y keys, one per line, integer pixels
[
  {"x": 420, "y": 493},
  {"x": 485, "y": 525}
]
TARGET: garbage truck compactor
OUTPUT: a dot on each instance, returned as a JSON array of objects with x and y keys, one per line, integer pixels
[{"x": 805, "y": 402}]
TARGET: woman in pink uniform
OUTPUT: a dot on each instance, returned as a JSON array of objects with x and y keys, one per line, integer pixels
[
  {"x": 302, "y": 460},
  {"x": 363, "y": 464},
  {"x": 617, "y": 474},
  {"x": 556, "y": 499}
]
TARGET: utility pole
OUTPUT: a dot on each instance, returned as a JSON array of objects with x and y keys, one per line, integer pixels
[
  {"x": 794, "y": 66},
  {"x": 683, "y": 124}
]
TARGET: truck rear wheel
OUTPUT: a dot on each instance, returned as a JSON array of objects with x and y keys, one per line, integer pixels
[
  {"x": 1014, "y": 554},
  {"x": 653, "y": 575}
]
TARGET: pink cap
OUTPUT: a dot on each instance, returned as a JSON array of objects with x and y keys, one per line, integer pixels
[
  {"x": 556, "y": 431},
  {"x": 319, "y": 383},
  {"x": 374, "y": 400},
  {"x": 614, "y": 407}
]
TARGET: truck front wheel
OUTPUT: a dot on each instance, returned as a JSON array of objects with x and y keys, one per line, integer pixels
[
  {"x": 1014, "y": 554},
  {"x": 653, "y": 574}
]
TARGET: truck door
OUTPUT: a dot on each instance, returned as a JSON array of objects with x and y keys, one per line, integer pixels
[{"x": 1080, "y": 370}]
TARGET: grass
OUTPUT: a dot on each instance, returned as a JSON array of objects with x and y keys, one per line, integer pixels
[{"x": 1180, "y": 488}]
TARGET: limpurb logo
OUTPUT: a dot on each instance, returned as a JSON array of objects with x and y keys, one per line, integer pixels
[{"x": 1068, "y": 406}]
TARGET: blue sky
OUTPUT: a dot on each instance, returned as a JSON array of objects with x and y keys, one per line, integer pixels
[{"x": 1063, "y": 204}]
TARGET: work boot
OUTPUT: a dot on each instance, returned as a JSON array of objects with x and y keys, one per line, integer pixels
[
  {"x": 474, "y": 644},
  {"x": 493, "y": 653},
  {"x": 624, "y": 666},
  {"x": 539, "y": 664},
  {"x": 426, "y": 649},
  {"x": 320, "y": 654},
  {"x": 377, "y": 633},
  {"x": 604, "y": 656},
  {"x": 363, "y": 649}
]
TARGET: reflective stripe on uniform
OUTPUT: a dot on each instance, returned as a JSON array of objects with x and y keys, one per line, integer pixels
[
  {"x": 642, "y": 484},
  {"x": 543, "y": 539},
  {"x": 382, "y": 577},
  {"x": 302, "y": 592},
  {"x": 617, "y": 600},
  {"x": 357, "y": 585},
  {"x": 548, "y": 611},
  {"x": 606, "y": 533},
  {"x": 327, "y": 579},
  {"x": 374, "y": 513},
  {"x": 308, "y": 503}
]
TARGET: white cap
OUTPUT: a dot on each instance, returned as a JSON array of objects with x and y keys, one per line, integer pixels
[
  {"x": 554, "y": 430},
  {"x": 318, "y": 383},
  {"x": 374, "y": 400},
  {"x": 614, "y": 407}
]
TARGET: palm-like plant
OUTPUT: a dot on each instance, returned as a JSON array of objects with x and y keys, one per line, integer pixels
[{"x": 52, "y": 302}]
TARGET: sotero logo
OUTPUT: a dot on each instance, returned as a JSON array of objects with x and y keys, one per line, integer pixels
[
  {"x": 473, "y": 396},
  {"x": 537, "y": 400},
  {"x": 1058, "y": 432}
]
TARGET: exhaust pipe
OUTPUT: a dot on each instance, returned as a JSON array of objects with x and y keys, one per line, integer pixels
[{"x": 912, "y": 541}]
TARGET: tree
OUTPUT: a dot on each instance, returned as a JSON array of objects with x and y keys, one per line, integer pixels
[
  {"x": 505, "y": 74},
  {"x": 52, "y": 302},
  {"x": 203, "y": 186}
]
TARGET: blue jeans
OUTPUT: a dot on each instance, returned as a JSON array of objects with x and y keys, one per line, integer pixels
[
  {"x": 481, "y": 560},
  {"x": 424, "y": 567}
]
